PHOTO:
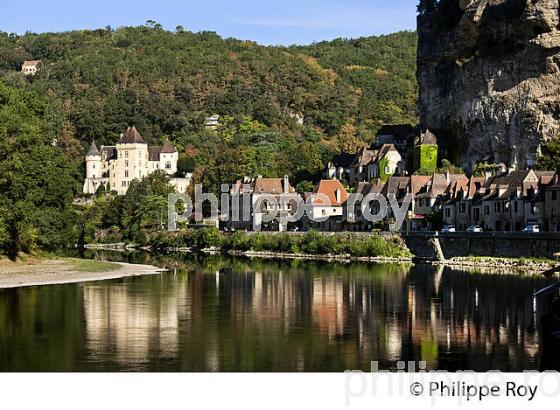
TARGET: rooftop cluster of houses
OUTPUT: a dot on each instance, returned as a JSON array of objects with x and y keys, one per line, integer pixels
[
  {"x": 501, "y": 200},
  {"x": 397, "y": 150},
  {"x": 507, "y": 201}
]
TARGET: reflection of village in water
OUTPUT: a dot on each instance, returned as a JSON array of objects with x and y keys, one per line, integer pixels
[{"x": 231, "y": 315}]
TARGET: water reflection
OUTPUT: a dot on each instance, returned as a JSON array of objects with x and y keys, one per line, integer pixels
[{"x": 223, "y": 314}]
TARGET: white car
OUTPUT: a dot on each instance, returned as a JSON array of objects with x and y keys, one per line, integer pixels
[
  {"x": 474, "y": 229},
  {"x": 531, "y": 228},
  {"x": 448, "y": 229}
]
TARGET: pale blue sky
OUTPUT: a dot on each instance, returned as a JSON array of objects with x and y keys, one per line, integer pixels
[{"x": 267, "y": 22}]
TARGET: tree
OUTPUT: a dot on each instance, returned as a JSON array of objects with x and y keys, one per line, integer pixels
[
  {"x": 37, "y": 181},
  {"x": 347, "y": 140},
  {"x": 426, "y": 7},
  {"x": 550, "y": 158}
]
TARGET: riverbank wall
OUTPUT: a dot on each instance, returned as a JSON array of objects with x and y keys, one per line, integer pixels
[{"x": 483, "y": 244}]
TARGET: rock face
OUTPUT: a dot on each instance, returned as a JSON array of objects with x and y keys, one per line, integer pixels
[{"x": 489, "y": 77}]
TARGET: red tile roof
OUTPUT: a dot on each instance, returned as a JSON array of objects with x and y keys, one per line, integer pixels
[{"x": 329, "y": 187}]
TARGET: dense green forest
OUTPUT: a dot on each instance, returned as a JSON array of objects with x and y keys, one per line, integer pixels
[
  {"x": 166, "y": 83},
  {"x": 92, "y": 84}
]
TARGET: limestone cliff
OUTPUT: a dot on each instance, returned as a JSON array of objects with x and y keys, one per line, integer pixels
[{"x": 489, "y": 77}]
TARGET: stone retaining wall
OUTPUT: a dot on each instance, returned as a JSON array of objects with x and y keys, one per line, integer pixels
[{"x": 498, "y": 245}]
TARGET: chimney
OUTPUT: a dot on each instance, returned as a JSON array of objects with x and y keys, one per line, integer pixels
[
  {"x": 337, "y": 195},
  {"x": 286, "y": 184},
  {"x": 447, "y": 177}
]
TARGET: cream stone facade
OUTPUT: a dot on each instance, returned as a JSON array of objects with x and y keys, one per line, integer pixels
[{"x": 131, "y": 158}]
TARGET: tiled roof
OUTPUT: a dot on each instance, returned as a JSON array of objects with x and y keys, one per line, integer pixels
[
  {"x": 30, "y": 63},
  {"x": 168, "y": 148},
  {"x": 153, "y": 152},
  {"x": 131, "y": 136},
  {"x": 364, "y": 157},
  {"x": 108, "y": 153},
  {"x": 270, "y": 186},
  {"x": 396, "y": 185},
  {"x": 329, "y": 188},
  {"x": 92, "y": 151},
  {"x": 508, "y": 185},
  {"x": 419, "y": 182},
  {"x": 428, "y": 138}
]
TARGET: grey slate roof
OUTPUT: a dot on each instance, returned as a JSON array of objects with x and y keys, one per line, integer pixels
[
  {"x": 168, "y": 148},
  {"x": 92, "y": 151},
  {"x": 131, "y": 136}
]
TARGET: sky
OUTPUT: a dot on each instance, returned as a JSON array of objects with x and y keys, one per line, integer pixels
[{"x": 270, "y": 22}]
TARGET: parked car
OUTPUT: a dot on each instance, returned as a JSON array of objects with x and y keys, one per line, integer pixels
[
  {"x": 532, "y": 228},
  {"x": 448, "y": 229},
  {"x": 474, "y": 229}
]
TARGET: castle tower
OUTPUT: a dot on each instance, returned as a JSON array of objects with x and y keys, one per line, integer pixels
[
  {"x": 168, "y": 158},
  {"x": 132, "y": 160},
  {"x": 93, "y": 170},
  {"x": 426, "y": 153}
]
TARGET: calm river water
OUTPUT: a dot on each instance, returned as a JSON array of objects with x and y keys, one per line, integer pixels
[{"x": 226, "y": 314}]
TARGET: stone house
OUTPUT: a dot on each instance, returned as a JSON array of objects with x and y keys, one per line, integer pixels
[
  {"x": 386, "y": 162},
  {"x": 253, "y": 200},
  {"x": 509, "y": 202},
  {"x": 402, "y": 137},
  {"x": 327, "y": 202},
  {"x": 353, "y": 210},
  {"x": 30, "y": 67},
  {"x": 458, "y": 201}
]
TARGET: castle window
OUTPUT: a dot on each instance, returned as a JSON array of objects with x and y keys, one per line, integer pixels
[
  {"x": 126, "y": 173},
  {"x": 168, "y": 165},
  {"x": 93, "y": 166},
  {"x": 126, "y": 163},
  {"x": 126, "y": 154}
]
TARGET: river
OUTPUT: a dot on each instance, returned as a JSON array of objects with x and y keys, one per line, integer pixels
[{"x": 214, "y": 313}]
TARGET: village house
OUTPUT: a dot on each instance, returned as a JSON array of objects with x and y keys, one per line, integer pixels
[
  {"x": 386, "y": 162},
  {"x": 366, "y": 165},
  {"x": 457, "y": 203},
  {"x": 115, "y": 167},
  {"x": 326, "y": 206},
  {"x": 509, "y": 202},
  {"x": 354, "y": 210},
  {"x": 402, "y": 137},
  {"x": 253, "y": 199},
  {"x": 211, "y": 123},
  {"x": 30, "y": 67},
  {"x": 359, "y": 166}
]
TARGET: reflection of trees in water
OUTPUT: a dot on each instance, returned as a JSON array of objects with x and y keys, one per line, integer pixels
[{"x": 226, "y": 314}]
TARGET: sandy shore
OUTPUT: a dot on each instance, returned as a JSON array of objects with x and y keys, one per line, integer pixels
[{"x": 39, "y": 272}]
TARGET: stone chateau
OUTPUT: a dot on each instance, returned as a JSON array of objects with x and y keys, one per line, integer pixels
[{"x": 114, "y": 167}]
